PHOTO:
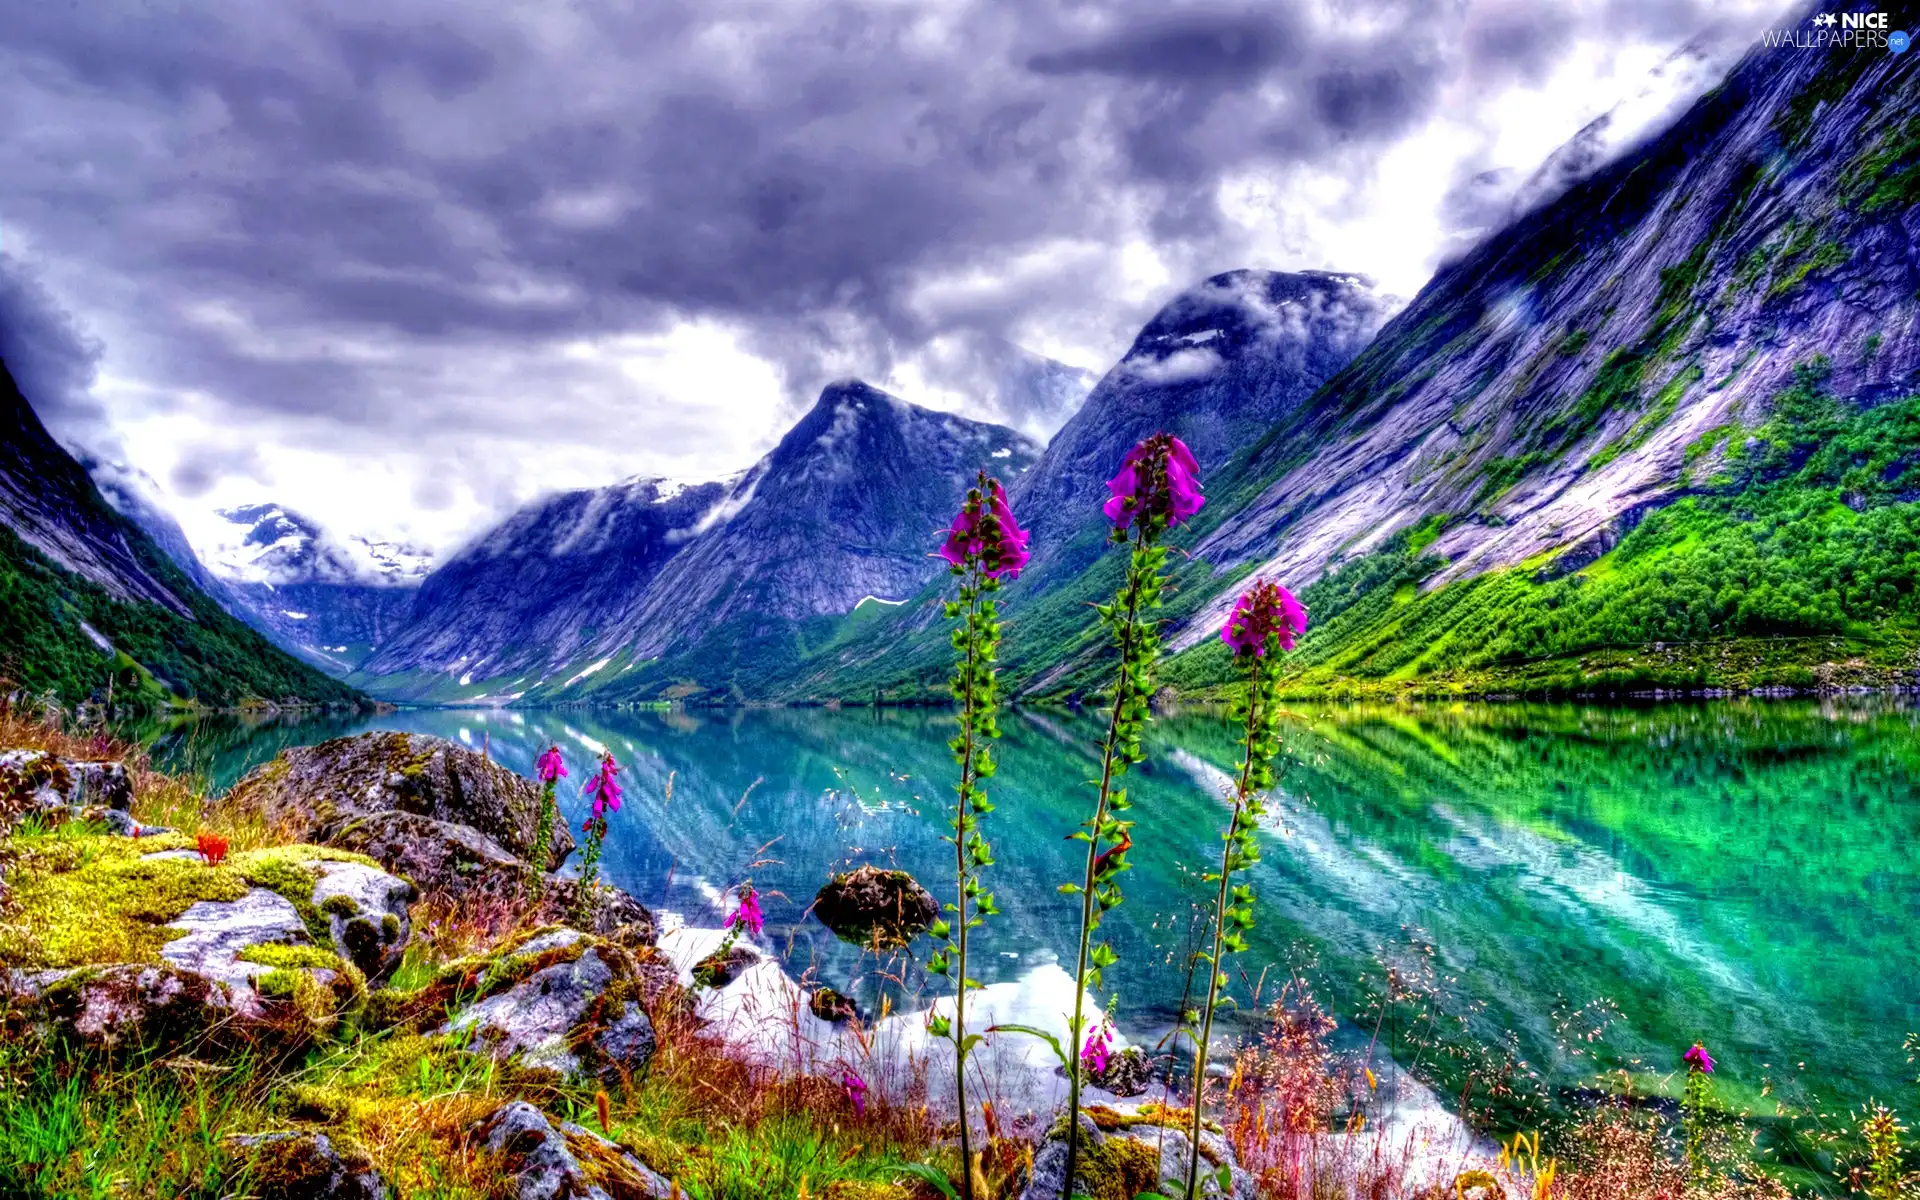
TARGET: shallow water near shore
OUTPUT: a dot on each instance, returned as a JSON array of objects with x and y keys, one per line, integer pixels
[{"x": 1738, "y": 872}]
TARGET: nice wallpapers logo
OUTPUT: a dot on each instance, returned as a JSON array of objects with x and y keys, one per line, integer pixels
[{"x": 1841, "y": 31}]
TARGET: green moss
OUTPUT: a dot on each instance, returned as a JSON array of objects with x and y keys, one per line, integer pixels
[
  {"x": 389, "y": 927},
  {"x": 340, "y": 905},
  {"x": 292, "y": 957},
  {"x": 1826, "y": 255},
  {"x": 1663, "y": 408},
  {"x": 1120, "y": 1168},
  {"x": 281, "y": 869},
  {"x": 279, "y": 983},
  {"x": 98, "y": 899}
]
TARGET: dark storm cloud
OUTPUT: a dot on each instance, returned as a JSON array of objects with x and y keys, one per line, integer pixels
[
  {"x": 274, "y": 197},
  {"x": 50, "y": 358}
]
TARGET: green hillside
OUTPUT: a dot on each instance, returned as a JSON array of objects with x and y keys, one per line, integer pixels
[{"x": 157, "y": 655}]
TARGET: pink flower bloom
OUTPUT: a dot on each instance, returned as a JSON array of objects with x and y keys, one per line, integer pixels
[
  {"x": 1099, "y": 1047},
  {"x": 984, "y": 529},
  {"x": 1158, "y": 477},
  {"x": 748, "y": 914},
  {"x": 1265, "y": 608},
  {"x": 604, "y": 788},
  {"x": 1698, "y": 1059},
  {"x": 856, "y": 1090},
  {"x": 550, "y": 769}
]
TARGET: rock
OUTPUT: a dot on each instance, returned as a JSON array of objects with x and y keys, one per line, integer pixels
[
  {"x": 458, "y": 862},
  {"x": 1128, "y": 1073},
  {"x": 1124, "y": 1152},
  {"x": 830, "y": 1005},
  {"x": 301, "y": 1165},
  {"x": 722, "y": 967},
  {"x": 366, "y": 911},
  {"x": 218, "y": 931},
  {"x": 330, "y": 785},
  {"x": 873, "y": 907},
  {"x": 548, "y": 1160},
  {"x": 127, "y": 1005},
  {"x": 34, "y": 782},
  {"x": 560, "y": 1001}
]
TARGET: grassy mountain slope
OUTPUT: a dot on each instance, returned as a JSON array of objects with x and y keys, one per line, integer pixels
[
  {"x": 117, "y": 608},
  {"x": 1653, "y": 434}
]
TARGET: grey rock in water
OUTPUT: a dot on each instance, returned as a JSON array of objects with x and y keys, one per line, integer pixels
[
  {"x": 557, "y": 1160},
  {"x": 328, "y": 786},
  {"x": 301, "y": 1165},
  {"x": 874, "y": 906},
  {"x": 579, "y": 1015}
]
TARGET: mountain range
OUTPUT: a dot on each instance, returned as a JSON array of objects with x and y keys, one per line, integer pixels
[
  {"x": 1655, "y": 431},
  {"x": 90, "y": 604}
]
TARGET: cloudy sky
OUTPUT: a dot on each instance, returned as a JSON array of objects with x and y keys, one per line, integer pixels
[{"x": 402, "y": 264}]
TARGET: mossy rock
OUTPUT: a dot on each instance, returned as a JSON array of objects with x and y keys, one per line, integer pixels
[
  {"x": 86, "y": 900},
  {"x": 831, "y": 1006},
  {"x": 302, "y": 1165},
  {"x": 329, "y": 786},
  {"x": 875, "y": 907}
]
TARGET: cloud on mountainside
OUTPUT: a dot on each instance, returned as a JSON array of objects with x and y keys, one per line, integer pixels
[{"x": 423, "y": 257}]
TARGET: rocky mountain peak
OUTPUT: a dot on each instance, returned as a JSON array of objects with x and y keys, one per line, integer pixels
[
  {"x": 274, "y": 545},
  {"x": 1218, "y": 365}
]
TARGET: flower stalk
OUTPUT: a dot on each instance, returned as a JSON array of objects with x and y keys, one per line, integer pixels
[
  {"x": 1156, "y": 488},
  {"x": 604, "y": 789},
  {"x": 1265, "y": 621},
  {"x": 984, "y": 544},
  {"x": 1695, "y": 1102},
  {"x": 550, "y": 769}
]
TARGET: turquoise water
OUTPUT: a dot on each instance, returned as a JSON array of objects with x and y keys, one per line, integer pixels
[{"x": 1741, "y": 873}]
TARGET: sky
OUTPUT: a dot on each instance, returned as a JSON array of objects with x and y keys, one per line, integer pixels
[{"x": 402, "y": 265}]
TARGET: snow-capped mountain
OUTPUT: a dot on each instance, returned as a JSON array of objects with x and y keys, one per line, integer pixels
[
  {"x": 577, "y": 589},
  {"x": 269, "y": 544},
  {"x": 330, "y": 600}
]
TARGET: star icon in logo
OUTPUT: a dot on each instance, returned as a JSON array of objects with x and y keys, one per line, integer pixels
[{"x": 1826, "y": 19}]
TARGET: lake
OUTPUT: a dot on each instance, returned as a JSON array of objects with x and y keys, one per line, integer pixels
[{"x": 1590, "y": 887}]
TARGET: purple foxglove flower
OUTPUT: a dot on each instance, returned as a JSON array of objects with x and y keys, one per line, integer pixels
[
  {"x": 1099, "y": 1047},
  {"x": 856, "y": 1090},
  {"x": 1265, "y": 608},
  {"x": 550, "y": 769},
  {"x": 1158, "y": 477},
  {"x": 604, "y": 788},
  {"x": 1698, "y": 1059},
  {"x": 984, "y": 529},
  {"x": 748, "y": 914}
]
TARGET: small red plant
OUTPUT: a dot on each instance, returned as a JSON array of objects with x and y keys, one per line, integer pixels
[{"x": 213, "y": 848}]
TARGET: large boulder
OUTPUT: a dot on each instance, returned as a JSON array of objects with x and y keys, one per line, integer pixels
[
  {"x": 460, "y": 864},
  {"x": 1125, "y": 1151},
  {"x": 872, "y": 906},
  {"x": 358, "y": 911},
  {"x": 126, "y": 1005},
  {"x": 543, "y": 1159},
  {"x": 328, "y": 786},
  {"x": 301, "y": 1165},
  {"x": 556, "y": 1000},
  {"x": 37, "y": 783}
]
